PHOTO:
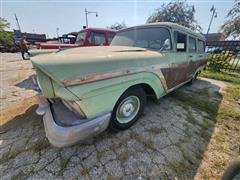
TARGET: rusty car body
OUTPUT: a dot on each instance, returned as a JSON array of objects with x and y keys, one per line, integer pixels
[{"x": 83, "y": 91}]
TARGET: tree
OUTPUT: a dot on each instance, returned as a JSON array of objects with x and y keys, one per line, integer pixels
[
  {"x": 118, "y": 26},
  {"x": 177, "y": 12},
  {"x": 3, "y": 24},
  {"x": 5, "y": 36},
  {"x": 231, "y": 27}
]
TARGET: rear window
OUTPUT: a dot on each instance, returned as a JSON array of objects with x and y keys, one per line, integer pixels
[
  {"x": 192, "y": 45},
  {"x": 97, "y": 38},
  {"x": 201, "y": 46}
]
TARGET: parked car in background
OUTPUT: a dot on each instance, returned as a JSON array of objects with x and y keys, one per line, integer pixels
[
  {"x": 86, "y": 37},
  {"x": 83, "y": 91}
]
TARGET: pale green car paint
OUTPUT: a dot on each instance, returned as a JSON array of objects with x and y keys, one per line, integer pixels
[{"x": 98, "y": 97}]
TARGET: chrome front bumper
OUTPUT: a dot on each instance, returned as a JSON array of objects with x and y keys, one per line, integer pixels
[{"x": 60, "y": 135}]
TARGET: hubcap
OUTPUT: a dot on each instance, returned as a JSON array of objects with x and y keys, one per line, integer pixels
[{"x": 128, "y": 109}]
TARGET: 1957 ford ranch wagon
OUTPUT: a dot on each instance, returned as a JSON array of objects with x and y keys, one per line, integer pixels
[{"x": 83, "y": 91}]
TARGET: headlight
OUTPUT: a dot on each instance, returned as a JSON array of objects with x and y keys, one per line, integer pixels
[{"x": 74, "y": 107}]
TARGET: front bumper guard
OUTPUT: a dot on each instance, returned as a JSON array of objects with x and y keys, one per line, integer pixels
[{"x": 61, "y": 136}]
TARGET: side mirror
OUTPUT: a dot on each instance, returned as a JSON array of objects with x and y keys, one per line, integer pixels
[{"x": 166, "y": 45}]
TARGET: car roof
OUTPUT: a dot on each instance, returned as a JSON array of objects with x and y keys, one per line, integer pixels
[
  {"x": 169, "y": 25},
  {"x": 100, "y": 29}
]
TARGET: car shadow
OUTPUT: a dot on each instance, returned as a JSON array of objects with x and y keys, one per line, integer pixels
[
  {"x": 26, "y": 83},
  {"x": 168, "y": 141}
]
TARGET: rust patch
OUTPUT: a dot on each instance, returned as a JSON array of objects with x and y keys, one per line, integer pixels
[
  {"x": 169, "y": 76},
  {"x": 97, "y": 77},
  {"x": 178, "y": 73}
]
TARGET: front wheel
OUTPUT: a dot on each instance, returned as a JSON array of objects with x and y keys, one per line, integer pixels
[{"x": 128, "y": 108}]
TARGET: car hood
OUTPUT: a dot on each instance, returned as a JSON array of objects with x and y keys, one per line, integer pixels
[{"x": 92, "y": 60}]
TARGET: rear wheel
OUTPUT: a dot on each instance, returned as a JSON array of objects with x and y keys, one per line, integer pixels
[{"x": 128, "y": 108}]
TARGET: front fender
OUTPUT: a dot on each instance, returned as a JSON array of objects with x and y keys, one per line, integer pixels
[{"x": 101, "y": 96}]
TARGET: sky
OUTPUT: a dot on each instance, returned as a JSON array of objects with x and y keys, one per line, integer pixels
[{"x": 44, "y": 16}]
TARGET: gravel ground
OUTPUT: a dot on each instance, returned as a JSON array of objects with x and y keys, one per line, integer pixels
[{"x": 168, "y": 141}]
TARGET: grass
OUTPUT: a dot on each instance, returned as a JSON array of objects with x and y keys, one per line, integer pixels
[
  {"x": 226, "y": 114},
  {"x": 196, "y": 101},
  {"x": 221, "y": 76}
]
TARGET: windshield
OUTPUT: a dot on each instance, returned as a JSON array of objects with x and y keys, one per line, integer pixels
[
  {"x": 155, "y": 38},
  {"x": 81, "y": 37}
]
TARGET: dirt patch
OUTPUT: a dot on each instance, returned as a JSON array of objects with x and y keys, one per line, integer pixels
[{"x": 14, "y": 111}]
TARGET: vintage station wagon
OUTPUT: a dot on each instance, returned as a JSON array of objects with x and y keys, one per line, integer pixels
[{"x": 83, "y": 91}]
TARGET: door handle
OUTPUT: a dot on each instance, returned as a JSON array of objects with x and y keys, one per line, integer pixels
[{"x": 190, "y": 56}]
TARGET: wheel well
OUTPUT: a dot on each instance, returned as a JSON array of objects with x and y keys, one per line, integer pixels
[{"x": 147, "y": 88}]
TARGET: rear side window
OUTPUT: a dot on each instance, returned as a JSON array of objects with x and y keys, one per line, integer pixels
[
  {"x": 110, "y": 37},
  {"x": 192, "y": 47},
  {"x": 201, "y": 46},
  {"x": 97, "y": 38},
  {"x": 180, "y": 41}
]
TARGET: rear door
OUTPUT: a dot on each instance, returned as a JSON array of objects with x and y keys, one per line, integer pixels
[{"x": 192, "y": 56}]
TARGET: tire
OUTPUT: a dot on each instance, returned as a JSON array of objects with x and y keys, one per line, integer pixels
[
  {"x": 128, "y": 109},
  {"x": 233, "y": 171}
]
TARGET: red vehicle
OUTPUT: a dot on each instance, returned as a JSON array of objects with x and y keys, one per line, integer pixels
[{"x": 86, "y": 37}]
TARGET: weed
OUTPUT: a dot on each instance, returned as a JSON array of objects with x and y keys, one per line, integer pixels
[
  {"x": 146, "y": 142},
  {"x": 63, "y": 163},
  {"x": 218, "y": 138},
  {"x": 176, "y": 166},
  {"x": 123, "y": 156},
  {"x": 205, "y": 124},
  {"x": 99, "y": 155},
  {"x": 155, "y": 130},
  {"x": 84, "y": 171},
  {"x": 40, "y": 145}
]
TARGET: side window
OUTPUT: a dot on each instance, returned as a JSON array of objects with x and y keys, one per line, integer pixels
[
  {"x": 181, "y": 41},
  {"x": 97, "y": 38},
  {"x": 201, "y": 46},
  {"x": 192, "y": 47},
  {"x": 110, "y": 37}
]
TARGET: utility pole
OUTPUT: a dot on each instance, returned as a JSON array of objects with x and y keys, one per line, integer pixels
[
  {"x": 214, "y": 15},
  {"x": 18, "y": 25},
  {"x": 89, "y": 12}
]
